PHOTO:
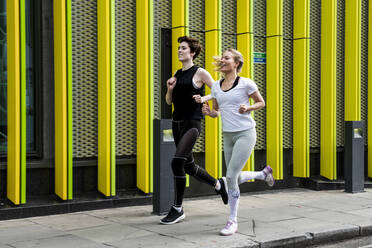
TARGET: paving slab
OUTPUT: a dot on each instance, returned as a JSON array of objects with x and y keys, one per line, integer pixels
[
  {"x": 110, "y": 233},
  {"x": 211, "y": 238},
  {"x": 26, "y": 233},
  {"x": 64, "y": 241},
  {"x": 15, "y": 223},
  {"x": 154, "y": 240},
  {"x": 68, "y": 222},
  {"x": 342, "y": 217}
]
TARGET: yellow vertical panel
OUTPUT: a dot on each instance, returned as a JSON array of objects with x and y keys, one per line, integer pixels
[
  {"x": 274, "y": 106},
  {"x": 213, "y": 151},
  {"x": 60, "y": 91},
  {"x": 274, "y": 86},
  {"x": 212, "y": 127},
  {"x": 179, "y": 13},
  {"x": 352, "y": 60},
  {"x": 211, "y": 14},
  {"x": 328, "y": 90},
  {"x": 274, "y": 9},
  {"x": 369, "y": 114},
  {"x": 180, "y": 22},
  {"x": 301, "y": 114},
  {"x": 301, "y": 19},
  {"x": 112, "y": 99},
  {"x": 179, "y": 28},
  {"x": 245, "y": 46},
  {"x": 301, "y": 140},
  {"x": 143, "y": 96},
  {"x": 244, "y": 16},
  {"x": 13, "y": 102},
  {"x": 104, "y": 92}
]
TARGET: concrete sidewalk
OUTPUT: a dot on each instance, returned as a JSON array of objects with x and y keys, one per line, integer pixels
[{"x": 277, "y": 218}]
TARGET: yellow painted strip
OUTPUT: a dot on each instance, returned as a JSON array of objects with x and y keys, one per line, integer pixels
[
  {"x": 301, "y": 114},
  {"x": 274, "y": 107},
  {"x": 143, "y": 97},
  {"x": 274, "y": 88},
  {"x": 245, "y": 41},
  {"x": 301, "y": 131},
  {"x": 213, "y": 150},
  {"x": 179, "y": 13},
  {"x": 369, "y": 114},
  {"x": 13, "y": 102},
  {"x": 179, "y": 28},
  {"x": 180, "y": 22},
  {"x": 60, "y": 98},
  {"x": 274, "y": 15},
  {"x": 112, "y": 99},
  {"x": 301, "y": 19},
  {"x": 328, "y": 90},
  {"x": 104, "y": 96},
  {"x": 22, "y": 13},
  {"x": 352, "y": 60}
]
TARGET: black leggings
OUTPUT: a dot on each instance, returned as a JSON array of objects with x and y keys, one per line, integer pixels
[{"x": 185, "y": 135}]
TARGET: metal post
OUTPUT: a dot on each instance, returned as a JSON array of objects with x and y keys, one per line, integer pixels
[
  {"x": 354, "y": 156},
  {"x": 164, "y": 149}
]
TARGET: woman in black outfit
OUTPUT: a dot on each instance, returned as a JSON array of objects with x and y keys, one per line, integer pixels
[{"x": 187, "y": 85}]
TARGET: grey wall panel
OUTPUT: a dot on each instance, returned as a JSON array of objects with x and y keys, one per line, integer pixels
[
  {"x": 340, "y": 89},
  {"x": 259, "y": 25},
  {"x": 314, "y": 85},
  {"x": 364, "y": 66},
  {"x": 287, "y": 74},
  {"x": 84, "y": 78},
  {"x": 125, "y": 55}
]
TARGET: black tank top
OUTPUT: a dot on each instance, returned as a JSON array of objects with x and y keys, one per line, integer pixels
[{"x": 185, "y": 107}]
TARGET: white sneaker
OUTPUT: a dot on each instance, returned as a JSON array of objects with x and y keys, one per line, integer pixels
[
  {"x": 269, "y": 176},
  {"x": 230, "y": 228}
]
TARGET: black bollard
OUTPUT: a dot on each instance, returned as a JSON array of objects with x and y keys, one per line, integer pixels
[
  {"x": 164, "y": 150},
  {"x": 354, "y": 156}
]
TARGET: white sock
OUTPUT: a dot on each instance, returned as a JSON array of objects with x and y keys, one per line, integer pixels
[
  {"x": 177, "y": 208},
  {"x": 245, "y": 176},
  {"x": 234, "y": 204},
  {"x": 218, "y": 185}
]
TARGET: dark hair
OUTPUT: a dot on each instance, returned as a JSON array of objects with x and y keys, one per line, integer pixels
[{"x": 193, "y": 43}]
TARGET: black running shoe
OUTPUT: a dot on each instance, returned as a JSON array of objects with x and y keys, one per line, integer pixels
[
  {"x": 223, "y": 190},
  {"x": 173, "y": 217}
]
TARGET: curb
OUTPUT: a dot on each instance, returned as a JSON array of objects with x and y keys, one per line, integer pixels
[{"x": 316, "y": 238}]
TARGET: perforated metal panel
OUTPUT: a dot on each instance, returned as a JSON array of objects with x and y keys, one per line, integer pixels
[
  {"x": 340, "y": 89},
  {"x": 125, "y": 55},
  {"x": 84, "y": 78},
  {"x": 197, "y": 24},
  {"x": 162, "y": 19},
  {"x": 287, "y": 74},
  {"x": 315, "y": 14},
  {"x": 364, "y": 65},
  {"x": 228, "y": 23},
  {"x": 260, "y": 69}
]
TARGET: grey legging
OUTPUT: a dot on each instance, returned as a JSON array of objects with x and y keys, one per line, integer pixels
[{"x": 237, "y": 149}]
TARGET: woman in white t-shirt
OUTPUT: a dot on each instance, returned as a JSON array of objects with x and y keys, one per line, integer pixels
[{"x": 231, "y": 99}]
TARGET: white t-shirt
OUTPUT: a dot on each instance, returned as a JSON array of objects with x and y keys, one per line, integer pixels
[{"x": 229, "y": 103}]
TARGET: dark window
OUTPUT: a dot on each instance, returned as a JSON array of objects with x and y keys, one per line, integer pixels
[{"x": 31, "y": 102}]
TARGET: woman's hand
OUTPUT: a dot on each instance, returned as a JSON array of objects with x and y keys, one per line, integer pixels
[
  {"x": 198, "y": 98},
  {"x": 171, "y": 83},
  {"x": 243, "y": 108},
  {"x": 206, "y": 109}
]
